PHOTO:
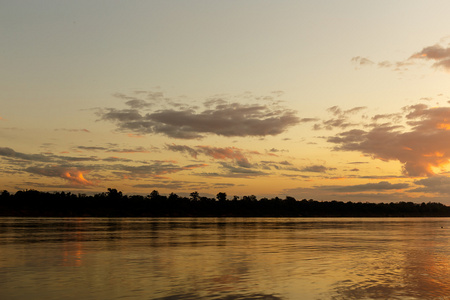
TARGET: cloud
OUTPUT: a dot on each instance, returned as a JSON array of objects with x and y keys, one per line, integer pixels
[
  {"x": 315, "y": 169},
  {"x": 156, "y": 169},
  {"x": 73, "y": 175},
  {"x": 114, "y": 149},
  {"x": 8, "y": 152},
  {"x": 420, "y": 148},
  {"x": 74, "y": 130},
  {"x": 224, "y": 153},
  {"x": 234, "y": 172},
  {"x": 182, "y": 148},
  {"x": 116, "y": 159},
  {"x": 92, "y": 148},
  {"x": 341, "y": 119},
  {"x": 380, "y": 186},
  {"x": 218, "y": 153},
  {"x": 436, "y": 53},
  {"x": 177, "y": 185},
  {"x": 217, "y": 117},
  {"x": 361, "y": 61},
  {"x": 433, "y": 185}
]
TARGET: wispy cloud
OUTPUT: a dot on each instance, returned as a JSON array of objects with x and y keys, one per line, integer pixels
[
  {"x": 114, "y": 149},
  {"x": 8, "y": 152},
  {"x": 217, "y": 153},
  {"x": 379, "y": 186},
  {"x": 438, "y": 54},
  {"x": 361, "y": 61},
  {"x": 341, "y": 119},
  {"x": 74, "y": 130},
  {"x": 155, "y": 169},
  {"x": 315, "y": 169}
]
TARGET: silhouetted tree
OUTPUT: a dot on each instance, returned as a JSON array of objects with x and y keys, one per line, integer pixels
[
  {"x": 154, "y": 195},
  {"x": 222, "y": 197},
  {"x": 114, "y": 194},
  {"x": 194, "y": 196}
]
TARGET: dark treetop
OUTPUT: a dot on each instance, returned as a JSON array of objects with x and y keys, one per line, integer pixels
[{"x": 113, "y": 203}]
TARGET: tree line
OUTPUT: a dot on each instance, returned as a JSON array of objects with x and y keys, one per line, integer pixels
[{"x": 114, "y": 203}]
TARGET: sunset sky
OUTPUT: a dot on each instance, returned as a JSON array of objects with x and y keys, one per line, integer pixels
[{"x": 325, "y": 100}]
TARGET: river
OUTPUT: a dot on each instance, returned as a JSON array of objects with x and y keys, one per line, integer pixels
[{"x": 224, "y": 258}]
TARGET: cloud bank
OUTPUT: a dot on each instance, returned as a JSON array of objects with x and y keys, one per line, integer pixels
[
  {"x": 217, "y": 117},
  {"x": 420, "y": 143}
]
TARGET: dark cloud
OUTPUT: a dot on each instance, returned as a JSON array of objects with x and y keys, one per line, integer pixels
[
  {"x": 433, "y": 185},
  {"x": 182, "y": 148},
  {"x": 74, "y": 130},
  {"x": 225, "y": 119},
  {"x": 315, "y": 169},
  {"x": 116, "y": 159},
  {"x": 275, "y": 150},
  {"x": 92, "y": 148},
  {"x": 177, "y": 185},
  {"x": 8, "y": 152},
  {"x": 380, "y": 186},
  {"x": 306, "y": 120},
  {"x": 231, "y": 171},
  {"x": 282, "y": 165},
  {"x": 114, "y": 149},
  {"x": 48, "y": 157},
  {"x": 156, "y": 169}
]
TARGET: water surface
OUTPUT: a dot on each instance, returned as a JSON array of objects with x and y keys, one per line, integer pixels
[{"x": 224, "y": 258}]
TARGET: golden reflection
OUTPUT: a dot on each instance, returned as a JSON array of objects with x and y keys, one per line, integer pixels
[{"x": 73, "y": 251}]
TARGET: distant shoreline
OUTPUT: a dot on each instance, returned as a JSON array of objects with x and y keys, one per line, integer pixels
[{"x": 32, "y": 203}]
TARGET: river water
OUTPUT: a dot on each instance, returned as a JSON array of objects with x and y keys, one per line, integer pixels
[{"x": 224, "y": 258}]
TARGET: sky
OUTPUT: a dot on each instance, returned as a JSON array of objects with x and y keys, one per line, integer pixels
[{"x": 324, "y": 100}]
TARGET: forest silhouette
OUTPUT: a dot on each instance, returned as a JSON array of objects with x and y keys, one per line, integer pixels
[{"x": 33, "y": 203}]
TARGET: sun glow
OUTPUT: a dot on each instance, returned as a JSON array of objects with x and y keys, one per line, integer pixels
[
  {"x": 76, "y": 177},
  {"x": 445, "y": 126},
  {"x": 435, "y": 154}
]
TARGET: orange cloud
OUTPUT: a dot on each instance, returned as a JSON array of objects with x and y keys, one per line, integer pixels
[
  {"x": 420, "y": 148},
  {"x": 76, "y": 177},
  {"x": 73, "y": 175},
  {"x": 226, "y": 153}
]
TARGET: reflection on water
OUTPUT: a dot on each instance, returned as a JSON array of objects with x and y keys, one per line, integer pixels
[{"x": 224, "y": 258}]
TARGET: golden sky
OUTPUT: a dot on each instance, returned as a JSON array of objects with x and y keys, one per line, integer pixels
[{"x": 324, "y": 100}]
